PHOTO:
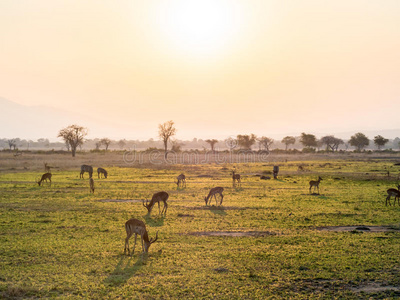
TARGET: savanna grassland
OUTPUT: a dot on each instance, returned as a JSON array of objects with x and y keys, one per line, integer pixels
[{"x": 269, "y": 239}]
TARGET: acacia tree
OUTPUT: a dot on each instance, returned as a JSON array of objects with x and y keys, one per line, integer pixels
[
  {"x": 265, "y": 142},
  {"x": 288, "y": 140},
  {"x": 331, "y": 142},
  {"x": 12, "y": 143},
  {"x": 106, "y": 142},
  {"x": 121, "y": 144},
  {"x": 246, "y": 141},
  {"x": 212, "y": 143},
  {"x": 359, "y": 140},
  {"x": 165, "y": 132},
  {"x": 308, "y": 140},
  {"x": 380, "y": 141},
  {"x": 73, "y": 136}
]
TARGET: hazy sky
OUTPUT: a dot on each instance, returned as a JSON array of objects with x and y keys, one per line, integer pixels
[{"x": 216, "y": 68}]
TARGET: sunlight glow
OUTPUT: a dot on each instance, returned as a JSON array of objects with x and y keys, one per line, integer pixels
[{"x": 198, "y": 27}]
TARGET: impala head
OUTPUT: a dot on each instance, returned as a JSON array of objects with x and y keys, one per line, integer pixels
[
  {"x": 38, "y": 181},
  {"x": 105, "y": 174},
  {"x": 148, "y": 244},
  {"x": 205, "y": 199},
  {"x": 147, "y": 205},
  {"x": 319, "y": 178}
]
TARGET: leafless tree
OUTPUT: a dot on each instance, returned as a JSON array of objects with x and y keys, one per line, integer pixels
[
  {"x": 106, "y": 142},
  {"x": 73, "y": 135},
  {"x": 12, "y": 143},
  {"x": 265, "y": 142},
  {"x": 165, "y": 132}
]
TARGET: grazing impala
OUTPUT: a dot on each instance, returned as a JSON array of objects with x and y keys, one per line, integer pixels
[
  {"x": 137, "y": 227},
  {"x": 315, "y": 184},
  {"x": 181, "y": 180},
  {"x": 91, "y": 184},
  {"x": 214, "y": 192},
  {"x": 236, "y": 178},
  {"x": 100, "y": 172},
  {"x": 44, "y": 177},
  {"x": 86, "y": 168},
  {"x": 395, "y": 193},
  {"x": 157, "y": 198}
]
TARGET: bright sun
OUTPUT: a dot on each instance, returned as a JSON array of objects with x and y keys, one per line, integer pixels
[{"x": 199, "y": 26}]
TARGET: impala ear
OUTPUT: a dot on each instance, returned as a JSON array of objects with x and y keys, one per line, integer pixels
[{"x": 152, "y": 241}]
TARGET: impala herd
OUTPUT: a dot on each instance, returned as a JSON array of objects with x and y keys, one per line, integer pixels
[{"x": 137, "y": 227}]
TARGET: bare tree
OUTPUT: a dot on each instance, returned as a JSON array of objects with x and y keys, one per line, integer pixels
[
  {"x": 121, "y": 144},
  {"x": 265, "y": 142},
  {"x": 73, "y": 135},
  {"x": 288, "y": 140},
  {"x": 106, "y": 142},
  {"x": 12, "y": 143},
  {"x": 165, "y": 132},
  {"x": 212, "y": 143}
]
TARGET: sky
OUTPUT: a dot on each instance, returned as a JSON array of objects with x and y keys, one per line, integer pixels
[{"x": 215, "y": 67}]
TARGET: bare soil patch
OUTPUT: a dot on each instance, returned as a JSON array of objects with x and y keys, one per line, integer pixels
[
  {"x": 234, "y": 233},
  {"x": 221, "y": 208},
  {"x": 360, "y": 228},
  {"x": 120, "y": 200},
  {"x": 374, "y": 288}
]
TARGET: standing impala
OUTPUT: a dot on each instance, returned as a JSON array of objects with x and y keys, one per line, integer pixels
[
  {"x": 91, "y": 184},
  {"x": 181, "y": 180},
  {"x": 44, "y": 177},
  {"x": 157, "y": 198},
  {"x": 395, "y": 193},
  {"x": 315, "y": 184},
  {"x": 213, "y": 192},
  {"x": 236, "y": 178},
  {"x": 137, "y": 227}
]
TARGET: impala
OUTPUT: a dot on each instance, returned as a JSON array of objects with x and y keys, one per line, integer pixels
[
  {"x": 395, "y": 193},
  {"x": 157, "y": 198},
  {"x": 86, "y": 168},
  {"x": 315, "y": 184},
  {"x": 45, "y": 176},
  {"x": 91, "y": 184},
  {"x": 236, "y": 178},
  {"x": 135, "y": 226},
  {"x": 181, "y": 180},
  {"x": 100, "y": 172},
  {"x": 214, "y": 192}
]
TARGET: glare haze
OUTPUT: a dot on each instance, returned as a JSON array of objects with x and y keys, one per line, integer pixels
[{"x": 217, "y": 68}]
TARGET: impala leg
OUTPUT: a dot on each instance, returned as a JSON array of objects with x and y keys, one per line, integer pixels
[
  {"x": 159, "y": 207},
  {"x": 142, "y": 244},
  {"x": 127, "y": 243},
  {"x": 222, "y": 198},
  {"x": 388, "y": 200},
  {"x": 166, "y": 207},
  {"x": 134, "y": 245}
]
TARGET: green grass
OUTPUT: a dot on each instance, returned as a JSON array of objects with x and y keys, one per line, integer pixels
[{"x": 62, "y": 242}]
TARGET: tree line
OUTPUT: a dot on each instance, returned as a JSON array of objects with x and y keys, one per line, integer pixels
[{"x": 74, "y": 136}]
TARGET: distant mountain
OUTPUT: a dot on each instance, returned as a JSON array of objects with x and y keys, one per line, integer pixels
[{"x": 33, "y": 122}]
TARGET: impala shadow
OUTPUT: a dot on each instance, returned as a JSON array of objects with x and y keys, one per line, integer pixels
[
  {"x": 125, "y": 269},
  {"x": 154, "y": 222},
  {"x": 218, "y": 210}
]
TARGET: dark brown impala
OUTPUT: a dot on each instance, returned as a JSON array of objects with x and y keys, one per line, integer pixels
[
  {"x": 45, "y": 176},
  {"x": 137, "y": 227},
  {"x": 100, "y": 172},
  {"x": 393, "y": 193},
  {"x": 157, "y": 198},
  {"x": 315, "y": 184},
  {"x": 86, "y": 168},
  {"x": 91, "y": 184},
  {"x": 214, "y": 192},
  {"x": 181, "y": 180}
]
